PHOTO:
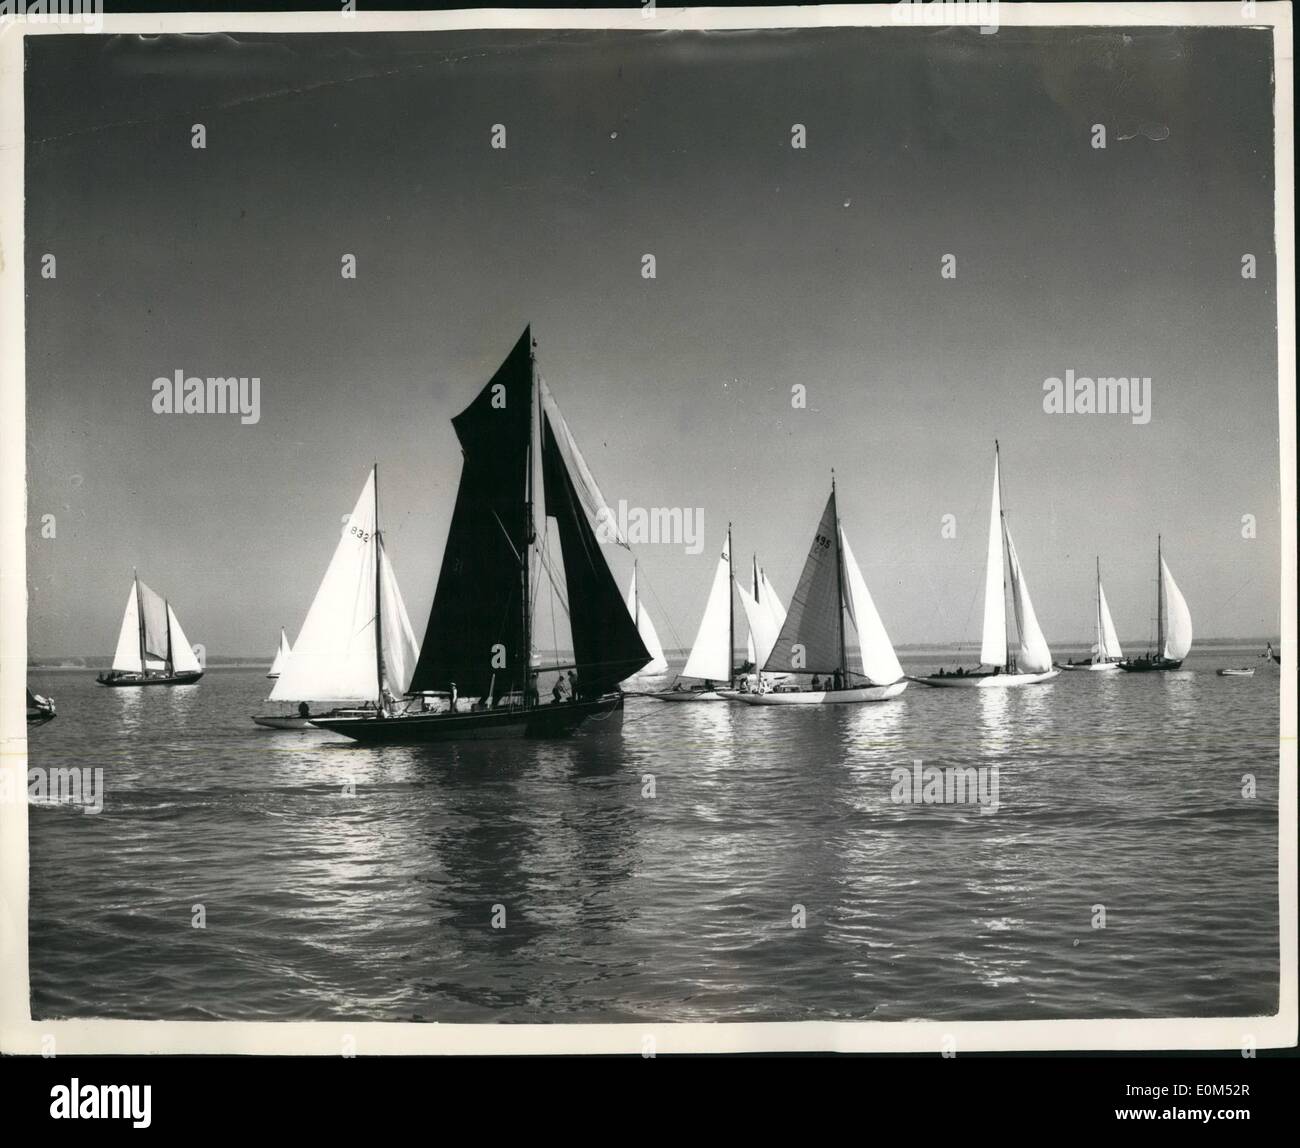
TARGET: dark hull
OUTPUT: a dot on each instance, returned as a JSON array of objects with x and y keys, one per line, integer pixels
[
  {"x": 558, "y": 720},
  {"x": 160, "y": 680},
  {"x": 39, "y": 718},
  {"x": 1149, "y": 665}
]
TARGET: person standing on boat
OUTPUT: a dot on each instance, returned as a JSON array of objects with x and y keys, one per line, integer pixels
[
  {"x": 557, "y": 691},
  {"x": 304, "y": 710},
  {"x": 453, "y": 698},
  {"x": 531, "y": 697},
  {"x": 838, "y": 680},
  {"x": 816, "y": 682},
  {"x": 573, "y": 685}
]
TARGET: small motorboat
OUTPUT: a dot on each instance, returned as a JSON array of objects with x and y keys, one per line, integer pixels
[{"x": 1241, "y": 672}]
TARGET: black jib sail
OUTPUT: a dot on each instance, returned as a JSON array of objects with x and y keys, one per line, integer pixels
[{"x": 606, "y": 644}]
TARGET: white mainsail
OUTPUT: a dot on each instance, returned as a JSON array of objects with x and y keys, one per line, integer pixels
[
  {"x": 993, "y": 647},
  {"x": 1035, "y": 657},
  {"x": 1108, "y": 643},
  {"x": 879, "y": 662},
  {"x": 184, "y": 660},
  {"x": 126, "y": 659},
  {"x": 711, "y": 653},
  {"x": 646, "y": 628},
  {"x": 281, "y": 653},
  {"x": 763, "y": 627},
  {"x": 334, "y": 658},
  {"x": 1178, "y": 631}
]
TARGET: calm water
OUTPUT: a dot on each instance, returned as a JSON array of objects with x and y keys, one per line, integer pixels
[{"x": 1117, "y": 790}]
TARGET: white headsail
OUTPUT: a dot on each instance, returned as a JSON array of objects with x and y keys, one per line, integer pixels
[
  {"x": 763, "y": 627},
  {"x": 879, "y": 662},
  {"x": 770, "y": 602},
  {"x": 711, "y": 653},
  {"x": 1178, "y": 631},
  {"x": 1108, "y": 644},
  {"x": 1035, "y": 657},
  {"x": 334, "y": 658},
  {"x": 126, "y": 658},
  {"x": 646, "y": 628},
  {"x": 282, "y": 652},
  {"x": 183, "y": 658},
  {"x": 993, "y": 647}
]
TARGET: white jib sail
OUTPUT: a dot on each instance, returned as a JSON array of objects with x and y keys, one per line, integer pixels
[
  {"x": 1178, "y": 631},
  {"x": 1035, "y": 657},
  {"x": 401, "y": 647},
  {"x": 646, "y": 628},
  {"x": 602, "y": 519},
  {"x": 763, "y": 627},
  {"x": 1109, "y": 646},
  {"x": 711, "y": 653},
  {"x": 183, "y": 657},
  {"x": 333, "y": 659},
  {"x": 993, "y": 647},
  {"x": 282, "y": 652},
  {"x": 771, "y": 603},
  {"x": 879, "y": 662},
  {"x": 127, "y": 656}
]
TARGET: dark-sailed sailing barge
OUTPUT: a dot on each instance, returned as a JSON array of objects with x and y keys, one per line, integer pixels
[{"x": 479, "y": 640}]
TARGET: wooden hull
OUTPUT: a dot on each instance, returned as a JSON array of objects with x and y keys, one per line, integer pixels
[
  {"x": 1149, "y": 665},
  {"x": 282, "y": 721},
  {"x": 820, "y": 697},
  {"x": 685, "y": 695},
  {"x": 117, "y": 681},
  {"x": 557, "y": 720},
  {"x": 987, "y": 681}
]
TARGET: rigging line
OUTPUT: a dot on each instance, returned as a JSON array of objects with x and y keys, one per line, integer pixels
[{"x": 662, "y": 612}]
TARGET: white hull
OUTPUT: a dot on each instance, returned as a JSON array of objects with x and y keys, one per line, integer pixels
[
  {"x": 988, "y": 681},
  {"x": 1236, "y": 673},
  {"x": 820, "y": 697},
  {"x": 1095, "y": 667}
]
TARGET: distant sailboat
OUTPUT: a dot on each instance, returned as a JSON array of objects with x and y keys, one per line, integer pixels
[
  {"x": 1106, "y": 653},
  {"x": 479, "y": 642},
  {"x": 152, "y": 649},
  {"x": 1033, "y": 662},
  {"x": 39, "y": 709},
  {"x": 646, "y": 628},
  {"x": 764, "y": 615},
  {"x": 280, "y": 655},
  {"x": 341, "y": 655},
  {"x": 711, "y": 662},
  {"x": 812, "y": 638},
  {"x": 1173, "y": 625}
]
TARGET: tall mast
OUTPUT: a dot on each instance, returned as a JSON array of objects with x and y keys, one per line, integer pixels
[
  {"x": 379, "y": 605},
  {"x": 731, "y": 612},
  {"x": 1160, "y": 603},
  {"x": 1006, "y": 563},
  {"x": 167, "y": 610},
  {"x": 839, "y": 581},
  {"x": 529, "y": 530},
  {"x": 1101, "y": 657},
  {"x": 139, "y": 617}
]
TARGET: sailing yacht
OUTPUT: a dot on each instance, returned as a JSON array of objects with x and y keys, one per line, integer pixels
[
  {"x": 281, "y": 653},
  {"x": 356, "y": 647},
  {"x": 1033, "y": 662},
  {"x": 1106, "y": 652},
  {"x": 40, "y": 709},
  {"x": 712, "y": 654},
  {"x": 813, "y": 637},
  {"x": 152, "y": 649},
  {"x": 646, "y": 628},
  {"x": 1173, "y": 625},
  {"x": 479, "y": 642}
]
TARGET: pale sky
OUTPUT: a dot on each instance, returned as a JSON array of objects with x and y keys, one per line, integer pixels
[{"x": 775, "y": 266}]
